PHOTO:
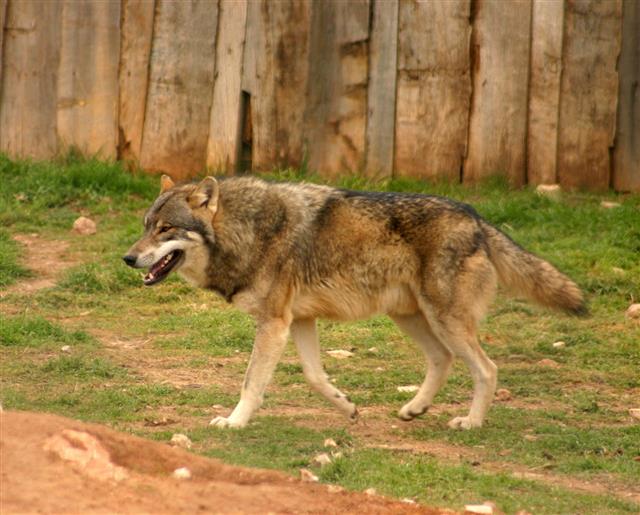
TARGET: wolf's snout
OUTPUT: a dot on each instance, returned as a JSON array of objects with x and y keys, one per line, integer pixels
[{"x": 130, "y": 260}]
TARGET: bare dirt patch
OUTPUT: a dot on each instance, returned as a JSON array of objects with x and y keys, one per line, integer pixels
[
  {"x": 39, "y": 478},
  {"x": 47, "y": 259}
]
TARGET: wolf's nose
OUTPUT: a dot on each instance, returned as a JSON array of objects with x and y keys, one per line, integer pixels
[{"x": 130, "y": 260}]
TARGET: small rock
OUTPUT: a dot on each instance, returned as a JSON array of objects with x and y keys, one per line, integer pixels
[
  {"x": 66, "y": 348},
  {"x": 340, "y": 353},
  {"x": 635, "y": 413},
  {"x": 530, "y": 438},
  {"x": 393, "y": 426},
  {"x": 406, "y": 500},
  {"x": 379, "y": 369},
  {"x": 373, "y": 350},
  {"x": 502, "y": 394},
  {"x": 558, "y": 345},
  {"x": 548, "y": 363},
  {"x": 609, "y": 205},
  {"x": 478, "y": 508},
  {"x": 182, "y": 473},
  {"x": 330, "y": 442},
  {"x": 180, "y": 440},
  {"x": 308, "y": 477},
  {"x": 633, "y": 311},
  {"x": 217, "y": 406},
  {"x": 321, "y": 459},
  {"x": 551, "y": 191},
  {"x": 334, "y": 489},
  {"x": 408, "y": 389},
  {"x": 84, "y": 226},
  {"x": 371, "y": 491}
]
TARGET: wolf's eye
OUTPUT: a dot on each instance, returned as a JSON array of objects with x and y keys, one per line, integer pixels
[{"x": 164, "y": 228}]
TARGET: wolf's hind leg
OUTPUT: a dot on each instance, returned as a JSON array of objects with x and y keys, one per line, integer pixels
[
  {"x": 270, "y": 341},
  {"x": 305, "y": 337},
  {"x": 439, "y": 360},
  {"x": 463, "y": 342}
]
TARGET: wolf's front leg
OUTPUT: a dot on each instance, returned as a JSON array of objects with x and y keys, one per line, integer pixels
[{"x": 271, "y": 338}]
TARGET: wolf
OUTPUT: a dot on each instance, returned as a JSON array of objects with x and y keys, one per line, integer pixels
[{"x": 289, "y": 254}]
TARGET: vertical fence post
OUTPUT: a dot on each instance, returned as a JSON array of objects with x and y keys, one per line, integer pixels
[{"x": 626, "y": 175}]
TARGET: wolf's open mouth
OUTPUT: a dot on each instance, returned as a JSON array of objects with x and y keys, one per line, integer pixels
[{"x": 161, "y": 269}]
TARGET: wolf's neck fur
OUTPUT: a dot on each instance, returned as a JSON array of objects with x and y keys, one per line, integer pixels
[{"x": 243, "y": 240}]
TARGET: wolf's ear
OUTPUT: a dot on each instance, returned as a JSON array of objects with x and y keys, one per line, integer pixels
[
  {"x": 205, "y": 195},
  {"x": 166, "y": 183}
]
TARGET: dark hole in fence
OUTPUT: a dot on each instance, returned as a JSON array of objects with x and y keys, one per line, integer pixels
[{"x": 245, "y": 161}]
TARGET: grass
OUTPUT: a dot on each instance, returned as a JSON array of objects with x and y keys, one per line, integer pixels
[{"x": 136, "y": 354}]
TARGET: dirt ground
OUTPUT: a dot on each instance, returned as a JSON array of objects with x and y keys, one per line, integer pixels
[{"x": 50, "y": 464}]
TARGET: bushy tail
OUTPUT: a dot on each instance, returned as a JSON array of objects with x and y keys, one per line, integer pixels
[{"x": 523, "y": 273}]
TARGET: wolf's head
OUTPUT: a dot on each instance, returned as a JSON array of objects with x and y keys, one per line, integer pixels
[{"x": 177, "y": 229}]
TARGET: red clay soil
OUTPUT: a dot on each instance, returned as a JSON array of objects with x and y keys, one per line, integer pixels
[{"x": 103, "y": 471}]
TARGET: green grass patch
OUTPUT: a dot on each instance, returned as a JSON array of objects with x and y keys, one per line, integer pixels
[
  {"x": 425, "y": 479},
  {"x": 10, "y": 269}
]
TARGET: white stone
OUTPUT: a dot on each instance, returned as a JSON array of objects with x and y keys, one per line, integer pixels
[
  {"x": 180, "y": 440},
  {"x": 340, "y": 353},
  {"x": 609, "y": 205},
  {"x": 182, "y": 473},
  {"x": 481, "y": 509},
  {"x": 308, "y": 477},
  {"x": 321, "y": 459},
  {"x": 633, "y": 311},
  {"x": 334, "y": 489},
  {"x": 371, "y": 491},
  {"x": 408, "y": 389},
  {"x": 558, "y": 345},
  {"x": 66, "y": 348},
  {"x": 551, "y": 191},
  {"x": 84, "y": 226}
]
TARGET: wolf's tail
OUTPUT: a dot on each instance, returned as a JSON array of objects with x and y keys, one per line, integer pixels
[{"x": 523, "y": 273}]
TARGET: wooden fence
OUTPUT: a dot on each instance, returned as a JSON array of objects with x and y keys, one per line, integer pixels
[{"x": 540, "y": 91}]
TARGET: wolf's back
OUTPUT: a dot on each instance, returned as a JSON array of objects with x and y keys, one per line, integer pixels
[{"x": 523, "y": 273}]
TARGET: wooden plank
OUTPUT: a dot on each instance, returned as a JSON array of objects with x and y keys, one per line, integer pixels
[
  {"x": 225, "y": 123},
  {"x": 135, "y": 52},
  {"x": 28, "y": 102},
  {"x": 281, "y": 55},
  {"x": 3, "y": 15},
  {"x": 588, "y": 93},
  {"x": 544, "y": 90},
  {"x": 176, "y": 124},
  {"x": 626, "y": 156},
  {"x": 338, "y": 75},
  {"x": 498, "y": 125},
  {"x": 87, "y": 114},
  {"x": 381, "y": 93},
  {"x": 434, "y": 89}
]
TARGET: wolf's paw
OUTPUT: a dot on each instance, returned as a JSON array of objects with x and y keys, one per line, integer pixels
[
  {"x": 464, "y": 423},
  {"x": 408, "y": 412},
  {"x": 225, "y": 422}
]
